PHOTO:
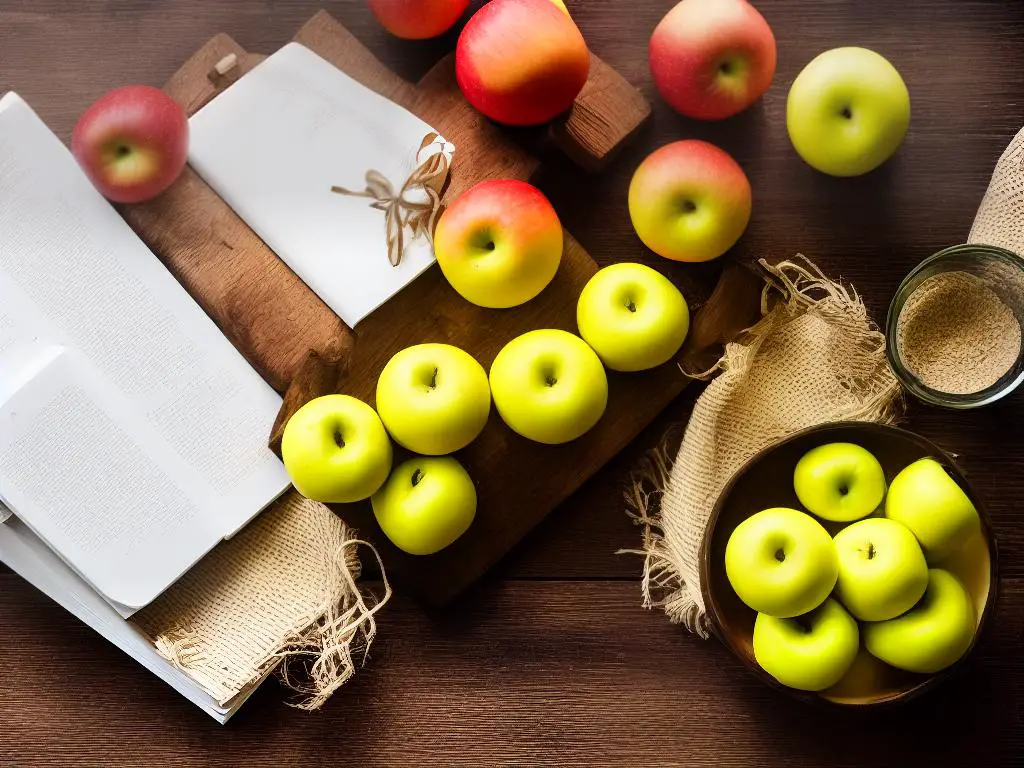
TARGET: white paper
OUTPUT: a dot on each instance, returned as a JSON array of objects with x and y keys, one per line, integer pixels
[
  {"x": 73, "y": 275},
  {"x": 275, "y": 142}
]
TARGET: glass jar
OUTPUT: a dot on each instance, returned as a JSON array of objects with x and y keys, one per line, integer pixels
[{"x": 1000, "y": 270}]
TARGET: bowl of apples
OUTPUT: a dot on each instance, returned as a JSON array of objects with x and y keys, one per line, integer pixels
[{"x": 850, "y": 563}]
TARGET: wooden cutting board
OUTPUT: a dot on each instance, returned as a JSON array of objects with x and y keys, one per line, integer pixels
[{"x": 303, "y": 349}]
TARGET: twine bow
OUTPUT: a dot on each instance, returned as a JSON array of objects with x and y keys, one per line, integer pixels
[{"x": 420, "y": 216}]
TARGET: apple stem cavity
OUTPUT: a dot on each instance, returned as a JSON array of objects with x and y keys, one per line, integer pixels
[
  {"x": 845, "y": 112},
  {"x": 416, "y": 477}
]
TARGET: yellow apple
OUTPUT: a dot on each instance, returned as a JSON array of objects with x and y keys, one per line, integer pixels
[
  {"x": 689, "y": 201},
  {"x": 336, "y": 450},
  {"x": 499, "y": 244},
  {"x": 433, "y": 398},
  {"x": 426, "y": 504},
  {"x": 549, "y": 386},
  {"x": 633, "y": 317}
]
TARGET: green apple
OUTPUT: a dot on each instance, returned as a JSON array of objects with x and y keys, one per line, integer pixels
[
  {"x": 933, "y": 634},
  {"x": 433, "y": 398},
  {"x": 426, "y": 504},
  {"x": 848, "y": 111},
  {"x": 840, "y": 482},
  {"x": 811, "y": 652},
  {"x": 781, "y": 562},
  {"x": 336, "y": 450},
  {"x": 632, "y": 316},
  {"x": 882, "y": 571},
  {"x": 930, "y": 503},
  {"x": 549, "y": 386}
]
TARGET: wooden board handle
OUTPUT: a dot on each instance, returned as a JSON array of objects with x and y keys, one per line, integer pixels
[{"x": 606, "y": 116}]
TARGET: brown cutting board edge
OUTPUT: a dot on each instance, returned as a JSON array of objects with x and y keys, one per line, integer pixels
[{"x": 289, "y": 335}]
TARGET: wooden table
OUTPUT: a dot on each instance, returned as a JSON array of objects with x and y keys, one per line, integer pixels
[{"x": 551, "y": 661}]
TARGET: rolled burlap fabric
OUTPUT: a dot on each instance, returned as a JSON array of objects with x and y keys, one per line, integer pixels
[
  {"x": 814, "y": 357},
  {"x": 1000, "y": 219}
]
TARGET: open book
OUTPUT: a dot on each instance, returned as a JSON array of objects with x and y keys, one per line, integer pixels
[
  {"x": 132, "y": 433},
  {"x": 139, "y": 440}
]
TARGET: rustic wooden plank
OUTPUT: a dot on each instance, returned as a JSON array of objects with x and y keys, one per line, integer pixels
[{"x": 539, "y": 674}]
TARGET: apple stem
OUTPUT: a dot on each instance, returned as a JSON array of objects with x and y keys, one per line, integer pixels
[
  {"x": 416, "y": 477},
  {"x": 433, "y": 380},
  {"x": 339, "y": 438}
]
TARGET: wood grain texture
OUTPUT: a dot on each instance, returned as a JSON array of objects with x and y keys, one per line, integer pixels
[
  {"x": 525, "y": 673},
  {"x": 551, "y": 661}
]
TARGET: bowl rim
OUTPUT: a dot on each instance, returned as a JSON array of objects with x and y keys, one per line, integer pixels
[{"x": 931, "y": 681}]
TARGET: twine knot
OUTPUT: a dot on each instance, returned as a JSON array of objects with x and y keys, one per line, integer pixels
[{"x": 404, "y": 209}]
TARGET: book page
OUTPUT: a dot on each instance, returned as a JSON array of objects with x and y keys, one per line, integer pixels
[
  {"x": 273, "y": 145},
  {"x": 99, "y": 486},
  {"x": 74, "y": 275}
]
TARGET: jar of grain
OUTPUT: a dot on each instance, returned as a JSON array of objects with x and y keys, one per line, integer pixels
[{"x": 955, "y": 327}]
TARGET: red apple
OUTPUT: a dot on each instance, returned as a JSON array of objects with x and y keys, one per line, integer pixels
[
  {"x": 521, "y": 62},
  {"x": 418, "y": 19},
  {"x": 132, "y": 143},
  {"x": 711, "y": 59}
]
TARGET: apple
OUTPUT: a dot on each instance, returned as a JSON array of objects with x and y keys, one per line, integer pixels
[
  {"x": 549, "y": 386},
  {"x": 810, "y": 652},
  {"x": 132, "y": 143},
  {"x": 882, "y": 571},
  {"x": 418, "y": 19},
  {"x": 433, "y": 398},
  {"x": 632, "y": 316},
  {"x": 711, "y": 59},
  {"x": 848, "y": 111},
  {"x": 781, "y": 562},
  {"x": 840, "y": 482},
  {"x": 500, "y": 243},
  {"x": 930, "y": 503},
  {"x": 426, "y": 504},
  {"x": 336, "y": 450},
  {"x": 689, "y": 201},
  {"x": 932, "y": 635},
  {"x": 521, "y": 62}
]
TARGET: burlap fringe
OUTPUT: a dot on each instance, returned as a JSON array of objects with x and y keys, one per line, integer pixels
[
  {"x": 323, "y": 643},
  {"x": 792, "y": 288}
]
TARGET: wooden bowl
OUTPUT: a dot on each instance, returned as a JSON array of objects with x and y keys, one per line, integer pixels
[{"x": 766, "y": 481}]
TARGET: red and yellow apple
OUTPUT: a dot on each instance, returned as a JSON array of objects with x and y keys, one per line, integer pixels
[
  {"x": 521, "y": 62},
  {"x": 500, "y": 243},
  {"x": 418, "y": 19},
  {"x": 711, "y": 59},
  {"x": 132, "y": 143},
  {"x": 689, "y": 201}
]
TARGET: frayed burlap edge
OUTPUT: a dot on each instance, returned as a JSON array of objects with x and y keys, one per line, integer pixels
[
  {"x": 324, "y": 643},
  {"x": 226, "y": 627},
  {"x": 792, "y": 289}
]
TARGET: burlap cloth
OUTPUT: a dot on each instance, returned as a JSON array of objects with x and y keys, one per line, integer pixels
[
  {"x": 814, "y": 357},
  {"x": 281, "y": 592}
]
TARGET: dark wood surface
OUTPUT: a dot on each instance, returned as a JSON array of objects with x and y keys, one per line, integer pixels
[{"x": 550, "y": 660}]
